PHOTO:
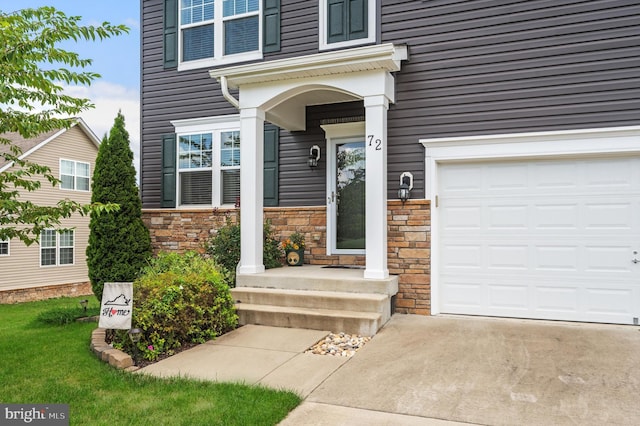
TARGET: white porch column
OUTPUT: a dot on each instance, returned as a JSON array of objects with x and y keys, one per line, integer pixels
[
  {"x": 251, "y": 190},
  {"x": 376, "y": 186}
]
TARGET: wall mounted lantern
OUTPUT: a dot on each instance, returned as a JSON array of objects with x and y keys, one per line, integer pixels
[
  {"x": 314, "y": 156},
  {"x": 406, "y": 185}
]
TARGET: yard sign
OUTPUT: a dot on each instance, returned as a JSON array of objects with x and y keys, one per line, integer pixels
[{"x": 117, "y": 305}]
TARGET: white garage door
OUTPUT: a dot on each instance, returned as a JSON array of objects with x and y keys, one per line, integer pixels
[{"x": 547, "y": 239}]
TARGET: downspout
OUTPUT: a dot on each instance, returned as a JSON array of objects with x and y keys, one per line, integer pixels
[{"x": 225, "y": 92}]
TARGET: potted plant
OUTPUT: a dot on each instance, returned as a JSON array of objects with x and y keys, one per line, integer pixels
[{"x": 294, "y": 249}]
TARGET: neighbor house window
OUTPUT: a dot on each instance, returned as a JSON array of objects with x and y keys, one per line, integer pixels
[
  {"x": 56, "y": 248},
  {"x": 345, "y": 23},
  {"x": 219, "y": 31},
  {"x": 209, "y": 163},
  {"x": 74, "y": 175},
  {"x": 4, "y": 247}
]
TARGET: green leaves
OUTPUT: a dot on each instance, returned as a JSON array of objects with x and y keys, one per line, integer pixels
[{"x": 33, "y": 69}]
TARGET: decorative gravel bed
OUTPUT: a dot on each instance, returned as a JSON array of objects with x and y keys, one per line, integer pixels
[{"x": 338, "y": 344}]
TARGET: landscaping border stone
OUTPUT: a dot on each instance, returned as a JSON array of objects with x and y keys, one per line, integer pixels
[{"x": 104, "y": 351}]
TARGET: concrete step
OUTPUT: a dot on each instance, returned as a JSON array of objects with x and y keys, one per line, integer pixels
[
  {"x": 317, "y": 278},
  {"x": 366, "y": 302},
  {"x": 362, "y": 323}
]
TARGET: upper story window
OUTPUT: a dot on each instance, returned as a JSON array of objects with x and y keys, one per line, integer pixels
[
  {"x": 56, "y": 248},
  {"x": 4, "y": 247},
  {"x": 208, "y": 163},
  {"x": 219, "y": 31},
  {"x": 345, "y": 23},
  {"x": 74, "y": 175}
]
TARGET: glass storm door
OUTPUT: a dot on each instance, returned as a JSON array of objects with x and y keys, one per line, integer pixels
[{"x": 349, "y": 190}]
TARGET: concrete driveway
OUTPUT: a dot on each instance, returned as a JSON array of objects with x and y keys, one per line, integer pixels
[{"x": 489, "y": 371}]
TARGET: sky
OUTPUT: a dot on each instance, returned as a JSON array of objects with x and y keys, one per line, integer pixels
[{"x": 116, "y": 59}]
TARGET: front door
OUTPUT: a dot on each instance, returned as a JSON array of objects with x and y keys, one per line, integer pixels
[{"x": 347, "y": 197}]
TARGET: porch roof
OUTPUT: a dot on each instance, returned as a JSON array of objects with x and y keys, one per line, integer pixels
[{"x": 385, "y": 57}]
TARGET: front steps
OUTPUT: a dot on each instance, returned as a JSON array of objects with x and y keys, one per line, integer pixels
[{"x": 338, "y": 300}]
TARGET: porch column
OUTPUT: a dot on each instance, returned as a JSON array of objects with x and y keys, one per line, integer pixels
[
  {"x": 376, "y": 186},
  {"x": 251, "y": 190}
]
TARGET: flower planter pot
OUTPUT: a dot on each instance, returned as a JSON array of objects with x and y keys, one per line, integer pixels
[{"x": 295, "y": 257}]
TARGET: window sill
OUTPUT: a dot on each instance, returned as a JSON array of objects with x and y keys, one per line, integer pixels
[{"x": 212, "y": 63}]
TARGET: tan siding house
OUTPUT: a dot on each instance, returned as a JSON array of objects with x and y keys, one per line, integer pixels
[{"x": 59, "y": 260}]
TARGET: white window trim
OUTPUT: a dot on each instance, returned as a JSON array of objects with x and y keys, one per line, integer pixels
[
  {"x": 8, "y": 243},
  {"x": 75, "y": 175},
  {"x": 372, "y": 8},
  {"x": 57, "y": 248},
  {"x": 218, "y": 40},
  {"x": 214, "y": 125}
]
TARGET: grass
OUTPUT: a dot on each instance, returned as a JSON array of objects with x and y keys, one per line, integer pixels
[{"x": 49, "y": 364}]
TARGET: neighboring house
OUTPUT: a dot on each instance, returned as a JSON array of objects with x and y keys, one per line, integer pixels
[
  {"x": 56, "y": 265},
  {"x": 516, "y": 124}
]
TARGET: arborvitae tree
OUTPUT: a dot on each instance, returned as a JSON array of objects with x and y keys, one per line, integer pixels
[{"x": 119, "y": 243}]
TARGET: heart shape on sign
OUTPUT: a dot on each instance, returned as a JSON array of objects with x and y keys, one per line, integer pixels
[{"x": 114, "y": 311}]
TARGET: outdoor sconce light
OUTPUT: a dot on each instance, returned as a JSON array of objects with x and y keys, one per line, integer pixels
[
  {"x": 406, "y": 185},
  {"x": 135, "y": 334},
  {"x": 84, "y": 304},
  {"x": 314, "y": 156}
]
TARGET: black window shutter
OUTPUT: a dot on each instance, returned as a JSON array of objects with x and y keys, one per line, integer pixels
[
  {"x": 271, "y": 140},
  {"x": 357, "y": 19},
  {"x": 336, "y": 21},
  {"x": 168, "y": 181},
  {"x": 271, "y": 26},
  {"x": 170, "y": 39}
]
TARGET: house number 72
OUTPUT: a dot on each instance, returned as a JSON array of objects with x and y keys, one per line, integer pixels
[{"x": 376, "y": 143}]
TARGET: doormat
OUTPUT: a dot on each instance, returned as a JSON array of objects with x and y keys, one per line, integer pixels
[{"x": 343, "y": 267}]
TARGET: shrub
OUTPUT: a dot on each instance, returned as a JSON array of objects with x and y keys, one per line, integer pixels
[
  {"x": 64, "y": 316},
  {"x": 180, "y": 299},
  {"x": 119, "y": 242},
  {"x": 224, "y": 248}
]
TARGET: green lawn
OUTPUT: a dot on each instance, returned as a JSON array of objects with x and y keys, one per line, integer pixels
[{"x": 42, "y": 364}]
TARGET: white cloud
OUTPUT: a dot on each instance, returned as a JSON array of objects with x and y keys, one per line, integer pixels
[{"x": 109, "y": 98}]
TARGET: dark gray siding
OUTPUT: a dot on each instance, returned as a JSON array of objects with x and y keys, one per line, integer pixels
[
  {"x": 300, "y": 185},
  {"x": 475, "y": 67}
]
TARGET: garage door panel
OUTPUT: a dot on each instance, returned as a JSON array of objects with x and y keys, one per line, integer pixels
[
  {"x": 509, "y": 296},
  {"x": 463, "y": 218},
  {"x": 541, "y": 239},
  {"x": 556, "y": 298},
  {"x": 508, "y": 216},
  {"x": 507, "y": 256},
  {"x": 611, "y": 215},
  {"x": 612, "y": 301},
  {"x": 611, "y": 259},
  {"x": 555, "y": 217},
  {"x": 556, "y": 176},
  {"x": 465, "y": 295},
  {"x": 556, "y": 258},
  {"x": 614, "y": 174},
  {"x": 462, "y": 256}
]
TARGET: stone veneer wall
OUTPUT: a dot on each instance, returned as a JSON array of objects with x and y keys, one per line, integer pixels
[
  {"x": 409, "y": 235},
  {"x": 45, "y": 292}
]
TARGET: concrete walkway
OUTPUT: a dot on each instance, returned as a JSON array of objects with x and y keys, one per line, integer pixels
[{"x": 438, "y": 371}]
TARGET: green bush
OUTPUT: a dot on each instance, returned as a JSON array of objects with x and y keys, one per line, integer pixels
[
  {"x": 119, "y": 242},
  {"x": 179, "y": 299},
  {"x": 64, "y": 316},
  {"x": 224, "y": 248}
]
